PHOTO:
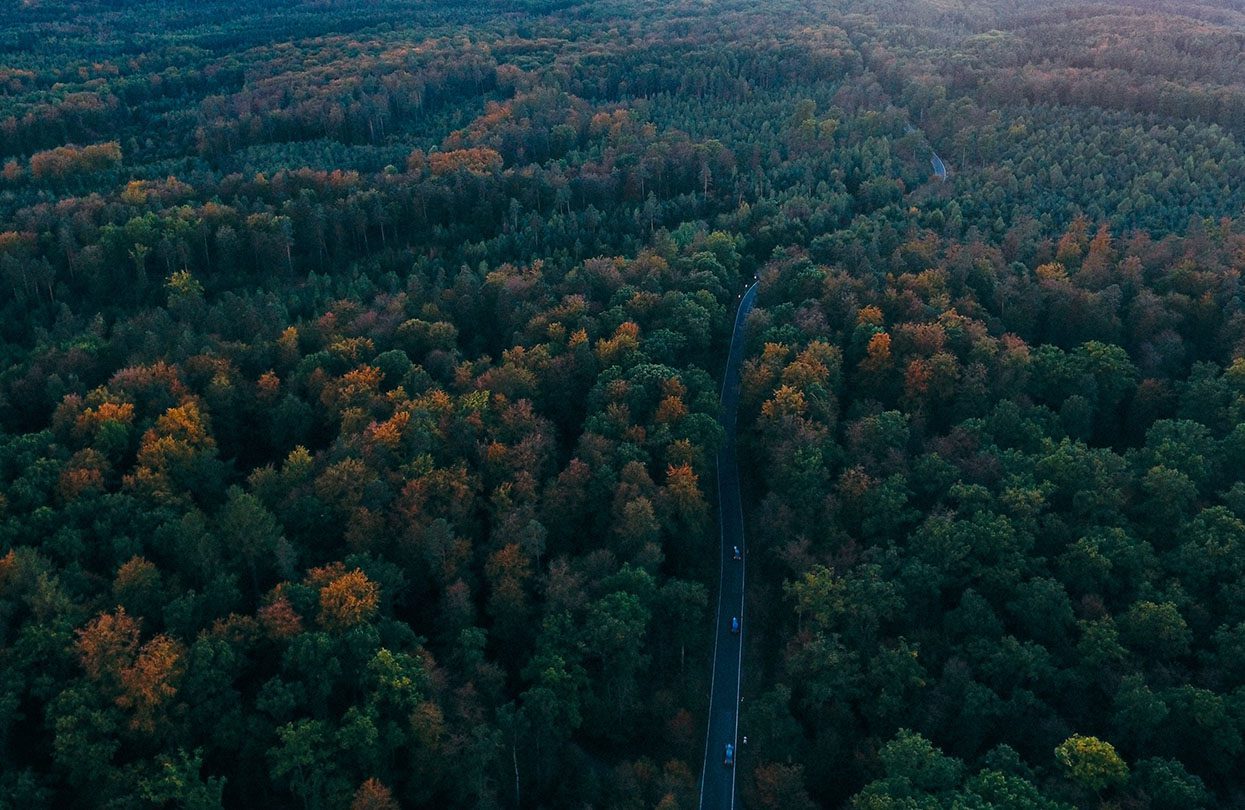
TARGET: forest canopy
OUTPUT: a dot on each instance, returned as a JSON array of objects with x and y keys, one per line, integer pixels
[{"x": 360, "y": 368}]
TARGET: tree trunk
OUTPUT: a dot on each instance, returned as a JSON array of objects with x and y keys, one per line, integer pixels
[{"x": 514, "y": 757}]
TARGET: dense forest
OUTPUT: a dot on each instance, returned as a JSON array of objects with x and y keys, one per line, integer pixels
[{"x": 359, "y": 391}]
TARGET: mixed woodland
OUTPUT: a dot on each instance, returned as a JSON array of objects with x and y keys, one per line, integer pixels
[{"x": 359, "y": 388}]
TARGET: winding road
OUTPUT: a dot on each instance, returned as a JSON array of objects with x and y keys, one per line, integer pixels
[
  {"x": 940, "y": 168},
  {"x": 717, "y": 780}
]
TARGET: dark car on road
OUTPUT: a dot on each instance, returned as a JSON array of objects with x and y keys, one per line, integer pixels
[
  {"x": 729, "y": 759},
  {"x": 735, "y": 624}
]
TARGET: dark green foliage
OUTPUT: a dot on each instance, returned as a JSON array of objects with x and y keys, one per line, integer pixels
[{"x": 358, "y": 414}]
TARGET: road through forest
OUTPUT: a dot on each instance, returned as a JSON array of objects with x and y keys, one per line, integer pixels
[{"x": 717, "y": 780}]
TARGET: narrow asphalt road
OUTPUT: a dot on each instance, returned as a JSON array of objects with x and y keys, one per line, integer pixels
[
  {"x": 940, "y": 168},
  {"x": 717, "y": 780}
]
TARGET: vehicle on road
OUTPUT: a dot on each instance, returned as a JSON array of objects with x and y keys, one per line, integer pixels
[
  {"x": 735, "y": 625},
  {"x": 737, "y": 554},
  {"x": 729, "y": 759}
]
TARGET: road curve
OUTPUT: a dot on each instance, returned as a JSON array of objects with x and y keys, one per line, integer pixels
[
  {"x": 940, "y": 168},
  {"x": 717, "y": 780}
]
